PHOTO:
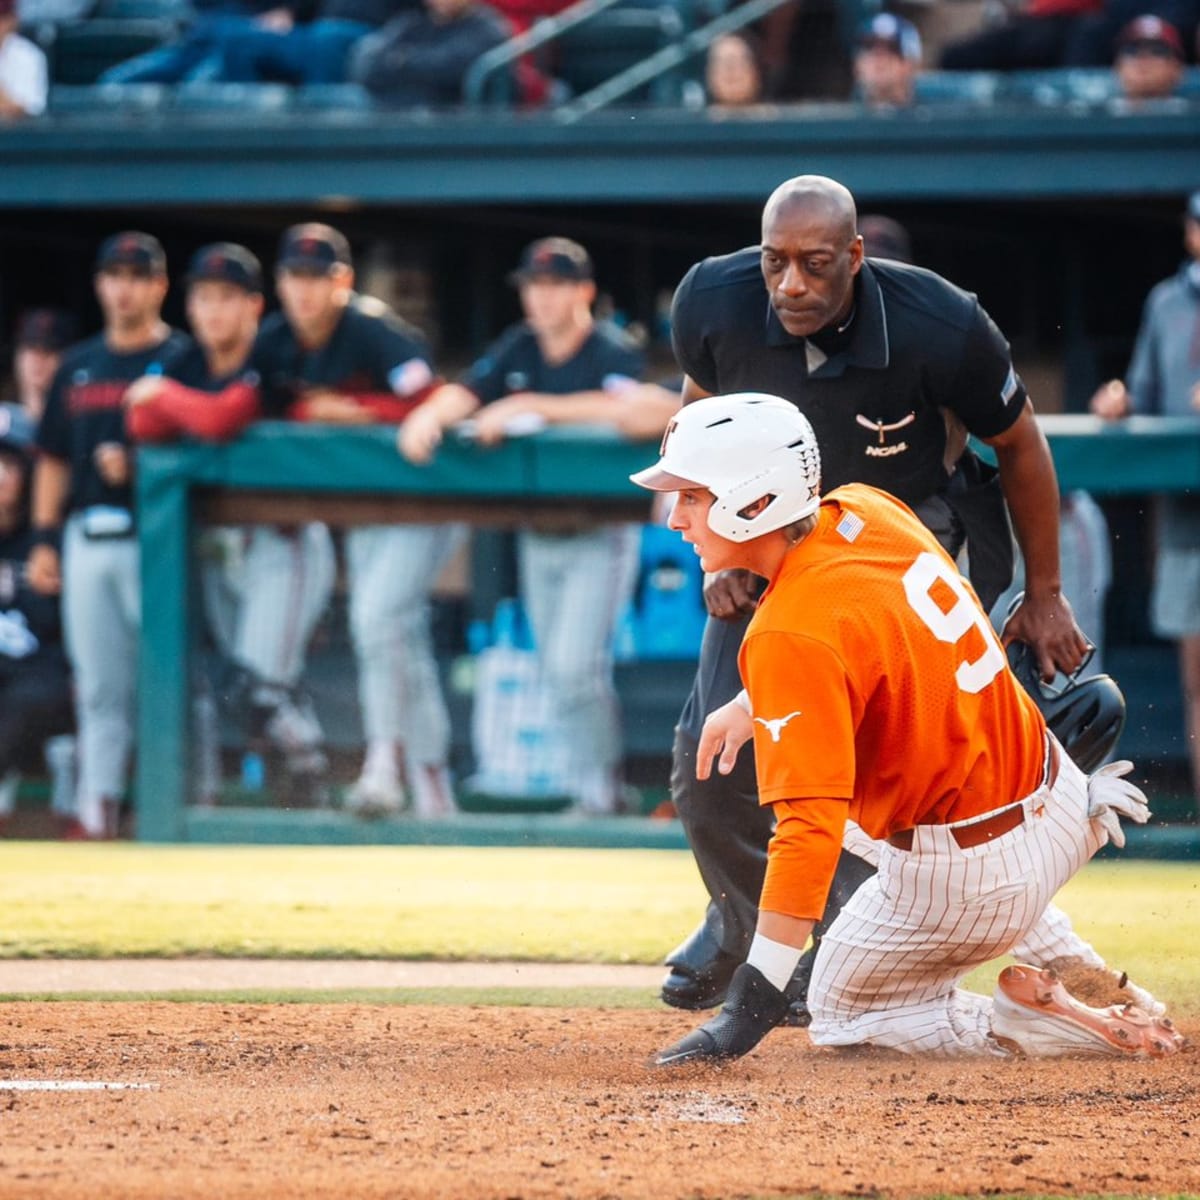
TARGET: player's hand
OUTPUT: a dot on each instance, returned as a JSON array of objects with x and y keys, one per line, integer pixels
[
  {"x": 730, "y": 594},
  {"x": 144, "y": 390},
  {"x": 334, "y": 409},
  {"x": 1111, "y": 401},
  {"x": 725, "y": 732},
  {"x": 492, "y": 421},
  {"x": 419, "y": 436},
  {"x": 43, "y": 571},
  {"x": 112, "y": 462},
  {"x": 1048, "y": 625},
  {"x": 277, "y": 20}
]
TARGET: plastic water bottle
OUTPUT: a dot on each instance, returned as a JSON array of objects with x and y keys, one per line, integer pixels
[{"x": 254, "y": 771}]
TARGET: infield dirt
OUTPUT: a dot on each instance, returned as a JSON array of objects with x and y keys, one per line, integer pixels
[{"x": 357, "y": 1101}]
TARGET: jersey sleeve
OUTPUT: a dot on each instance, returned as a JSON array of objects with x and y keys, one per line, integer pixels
[
  {"x": 53, "y": 433},
  {"x": 402, "y": 360},
  {"x": 621, "y": 364},
  {"x": 802, "y": 702},
  {"x": 687, "y": 334},
  {"x": 987, "y": 393},
  {"x": 488, "y": 373}
]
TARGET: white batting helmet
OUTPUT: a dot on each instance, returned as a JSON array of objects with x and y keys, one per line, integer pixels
[{"x": 743, "y": 448}]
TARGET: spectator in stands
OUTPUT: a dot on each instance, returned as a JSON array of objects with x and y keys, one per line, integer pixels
[
  {"x": 23, "y": 74},
  {"x": 42, "y": 335},
  {"x": 560, "y": 367},
  {"x": 250, "y": 574},
  {"x": 887, "y": 62},
  {"x": 53, "y": 12},
  {"x": 314, "y": 52},
  {"x": 1149, "y": 62},
  {"x": 733, "y": 72},
  {"x": 195, "y": 54},
  {"x": 35, "y": 681},
  {"x": 1164, "y": 378},
  {"x": 1036, "y": 34},
  {"x": 420, "y": 58}
]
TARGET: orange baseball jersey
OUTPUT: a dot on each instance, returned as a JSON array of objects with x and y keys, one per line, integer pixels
[{"x": 879, "y": 691}]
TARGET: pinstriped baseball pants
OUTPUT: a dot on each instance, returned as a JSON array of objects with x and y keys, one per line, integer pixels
[{"x": 888, "y": 970}]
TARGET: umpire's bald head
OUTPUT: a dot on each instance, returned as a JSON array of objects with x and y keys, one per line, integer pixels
[{"x": 816, "y": 195}]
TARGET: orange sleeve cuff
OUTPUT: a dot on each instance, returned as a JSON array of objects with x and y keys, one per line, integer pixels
[{"x": 803, "y": 856}]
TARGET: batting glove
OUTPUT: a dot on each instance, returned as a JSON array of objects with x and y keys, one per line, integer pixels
[{"x": 1111, "y": 797}]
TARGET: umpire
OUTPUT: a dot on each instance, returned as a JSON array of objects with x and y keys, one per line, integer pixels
[{"x": 894, "y": 366}]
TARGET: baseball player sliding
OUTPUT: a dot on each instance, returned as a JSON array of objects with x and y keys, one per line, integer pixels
[{"x": 877, "y": 693}]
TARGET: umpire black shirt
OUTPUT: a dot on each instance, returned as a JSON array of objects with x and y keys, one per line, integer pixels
[{"x": 919, "y": 358}]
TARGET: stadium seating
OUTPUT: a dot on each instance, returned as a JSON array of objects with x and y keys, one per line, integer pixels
[{"x": 84, "y": 50}]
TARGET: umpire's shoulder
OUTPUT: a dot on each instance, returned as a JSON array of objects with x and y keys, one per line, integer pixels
[
  {"x": 924, "y": 295},
  {"x": 737, "y": 270}
]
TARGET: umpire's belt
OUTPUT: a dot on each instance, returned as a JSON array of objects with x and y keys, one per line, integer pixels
[{"x": 980, "y": 830}]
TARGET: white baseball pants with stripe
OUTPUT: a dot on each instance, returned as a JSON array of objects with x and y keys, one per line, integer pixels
[
  {"x": 263, "y": 603},
  {"x": 574, "y": 586},
  {"x": 888, "y": 970},
  {"x": 392, "y": 569},
  {"x": 101, "y": 607}
]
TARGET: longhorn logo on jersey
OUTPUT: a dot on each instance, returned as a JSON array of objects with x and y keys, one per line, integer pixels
[{"x": 775, "y": 725}]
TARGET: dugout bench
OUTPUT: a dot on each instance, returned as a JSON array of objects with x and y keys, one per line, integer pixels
[{"x": 348, "y": 476}]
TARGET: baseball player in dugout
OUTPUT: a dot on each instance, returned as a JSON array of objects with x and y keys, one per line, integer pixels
[
  {"x": 880, "y": 700},
  {"x": 336, "y": 357},
  {"x": 894, "y": 366},
  {"x": 250, "y": 574},
  {"x": 560, "y": 367},
  {"x": 85, "y": 543},
  {"x": 42, "y": 334}
]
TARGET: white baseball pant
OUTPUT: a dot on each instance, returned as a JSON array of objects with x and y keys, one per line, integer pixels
[
  {"x": 574, "y": 587},
  {"x": 264, "y": 597},
  {"x": 101, "y": 607},
  {"x": 392, "y": 569},
  {"x": 888, "y": 970}
]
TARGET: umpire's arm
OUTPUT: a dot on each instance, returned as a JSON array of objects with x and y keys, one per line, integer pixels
[{"x": 1030, "y": 486}]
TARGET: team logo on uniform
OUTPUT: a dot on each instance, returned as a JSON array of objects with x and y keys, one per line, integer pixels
[
  {"x": 884, "y": 448},
  {"x": 516, "y": 381},
  {"x": 80, "y": 376},
  {"x": 775, "y": 725}
]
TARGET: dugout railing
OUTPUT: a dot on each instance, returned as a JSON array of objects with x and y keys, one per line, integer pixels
[{"x": 291, "y": 473}]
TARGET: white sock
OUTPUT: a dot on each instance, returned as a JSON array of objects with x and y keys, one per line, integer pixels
[{"x": 775, "y": 960}]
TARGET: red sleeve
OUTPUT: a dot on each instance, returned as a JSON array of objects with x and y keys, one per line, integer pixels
[
  {"x": 212, "y": 416},
  {"x": 145, "y": 423},
  {"x": 385, "y": 407}
]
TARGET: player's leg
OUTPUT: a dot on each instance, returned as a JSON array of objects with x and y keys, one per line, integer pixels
[
  {"x": 100, "y": 624},
  {"x": 574, "y": 587},
  {"x": 888, "y": 969},
  {"x": 391, "y": 573}
]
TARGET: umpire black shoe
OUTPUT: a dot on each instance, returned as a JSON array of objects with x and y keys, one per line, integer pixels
[
  {"x": 701, "y": 986},
  {"x": 752, "y": 1009}
]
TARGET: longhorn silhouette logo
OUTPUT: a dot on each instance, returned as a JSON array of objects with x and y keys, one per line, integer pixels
[{"x": 775, "y": 725}]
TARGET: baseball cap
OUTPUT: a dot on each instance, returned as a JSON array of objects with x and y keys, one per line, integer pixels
[
  {"x": 1193, "y": 205},
  {"x": 553, "y": 258},
  {"x": 1151, "y": 30},
  {"x": 226, "y": 262},
  {"x": 45, "y": 329},
  {"x": 314, "y": 248},
  {"x": 16, "y": 429},
  {"x": 132, "y": 249},
  {"x": 892, "y": 33}
]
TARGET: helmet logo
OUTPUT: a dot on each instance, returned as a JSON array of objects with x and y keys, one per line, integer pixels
[{"x": 666, "y": 437}]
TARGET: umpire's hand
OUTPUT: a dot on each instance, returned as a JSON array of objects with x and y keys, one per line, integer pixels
[{"x": 731, "y": 594}]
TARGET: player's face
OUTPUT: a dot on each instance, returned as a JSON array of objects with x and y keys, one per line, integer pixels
[
  {"x": 311, "y": 299},
  {"x": 222, "y": 314},
  {"x": 553, "y": 305},
  {"x": 1148, "y": 72},
  {"x": 34, "y": 367},
  {"x": 128, "y": 297},
  {"x": 883, "y": 76},
  {"x": 808, "y": 265},
  {"x": 689, "y": 516}
]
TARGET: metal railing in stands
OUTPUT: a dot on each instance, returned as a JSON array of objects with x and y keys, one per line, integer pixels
[
  {"x": 538, "y": 34},
  {"x": 665, "y": 59}
]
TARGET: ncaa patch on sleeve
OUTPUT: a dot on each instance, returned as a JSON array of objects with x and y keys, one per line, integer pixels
[
  {"x": 410, "y": 376},
  {"x": 1009, "y": 390}
]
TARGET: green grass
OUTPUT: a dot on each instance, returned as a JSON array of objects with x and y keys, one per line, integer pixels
[{"x": 414, "y": 902}]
